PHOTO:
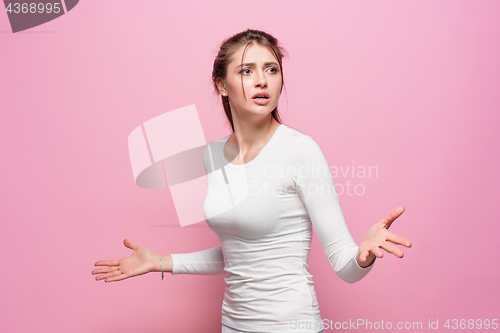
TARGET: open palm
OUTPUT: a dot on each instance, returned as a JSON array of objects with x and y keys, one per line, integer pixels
[
  {"x": 379, "y": 237},
  {"x": 140, "y": 262}
]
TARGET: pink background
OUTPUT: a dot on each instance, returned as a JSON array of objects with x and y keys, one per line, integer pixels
[{"x": 411, "y": 87}]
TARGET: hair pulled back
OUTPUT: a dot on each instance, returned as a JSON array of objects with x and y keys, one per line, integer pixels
[{"x": 227, "y": 50}]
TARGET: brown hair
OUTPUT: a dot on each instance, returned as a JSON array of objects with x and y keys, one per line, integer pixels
[{"x": 224, "y": 57}]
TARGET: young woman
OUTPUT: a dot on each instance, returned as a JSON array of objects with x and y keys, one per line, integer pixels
[{"x": 280, "y": 186}]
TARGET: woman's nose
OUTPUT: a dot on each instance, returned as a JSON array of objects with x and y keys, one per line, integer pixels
[{"x": 261, "y": 79}]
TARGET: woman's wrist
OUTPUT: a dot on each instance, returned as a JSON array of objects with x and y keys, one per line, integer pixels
[{"x": 162, "y": 264}]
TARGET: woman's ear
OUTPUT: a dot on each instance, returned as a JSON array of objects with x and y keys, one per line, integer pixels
[{"x": 220, "y": 87}]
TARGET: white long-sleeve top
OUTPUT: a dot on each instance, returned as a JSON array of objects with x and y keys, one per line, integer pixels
[{"x": 263, "y": 213}]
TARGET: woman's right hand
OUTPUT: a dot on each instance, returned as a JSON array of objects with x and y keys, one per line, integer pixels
[{"x": 142, "y": 261}]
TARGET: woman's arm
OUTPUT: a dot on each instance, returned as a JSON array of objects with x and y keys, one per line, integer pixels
[
  {"x": 143, "y": 261},
  {"x": 316, "y": 187},
  {"x": 206, "y": 262},
  {"x": 317, "y": 190}
]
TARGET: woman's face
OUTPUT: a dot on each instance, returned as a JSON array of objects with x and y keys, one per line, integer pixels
[{"x": 261, "y": 76}]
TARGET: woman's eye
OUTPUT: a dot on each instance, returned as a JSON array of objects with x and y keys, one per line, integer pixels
[{"x": 248, "y": 71}]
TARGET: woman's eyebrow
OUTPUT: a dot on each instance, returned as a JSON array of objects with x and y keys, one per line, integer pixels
[{"x": 252, "y": 64}]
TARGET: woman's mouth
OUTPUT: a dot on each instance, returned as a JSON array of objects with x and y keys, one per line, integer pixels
[{"x": 261, "y": 98}]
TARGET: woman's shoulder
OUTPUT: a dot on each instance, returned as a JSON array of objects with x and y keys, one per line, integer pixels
[
  {"x": 302, "y": 146},
  {"x": 293, "y": 128},
  {"x": 294, "y": 135}
]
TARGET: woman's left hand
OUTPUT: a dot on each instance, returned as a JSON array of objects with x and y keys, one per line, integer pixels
[{"x": 378, "y": 237}]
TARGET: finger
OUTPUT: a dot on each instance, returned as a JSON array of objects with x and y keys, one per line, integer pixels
[
  {"x": 116, "y": 278},
  {"x": 392, "y": 249},
  {"x": 377, "y": 251},
  {"x": 108, "y": 275},
  {"x": 393, "y": 215},
  {"x": 105, "y": 270},
  {"x": 101, "y": 277},
  {"x": 398, "y": 240},
  {"x": 363, "y": 255},
  {"x": 106, "y": 263}
]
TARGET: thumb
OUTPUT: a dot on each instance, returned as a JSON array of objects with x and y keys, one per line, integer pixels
[{"x": 129, "y": 244}]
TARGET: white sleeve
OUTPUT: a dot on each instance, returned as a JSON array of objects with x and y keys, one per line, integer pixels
[
  {"x": 316, "y": 187},
  {"x": 205, "y": 262}
]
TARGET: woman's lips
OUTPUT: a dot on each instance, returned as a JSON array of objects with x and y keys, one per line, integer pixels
[
  {"x": 261, "y": 98},
  {"x": 261, "y": 101},
  {"x": 261, "y": 93}
]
